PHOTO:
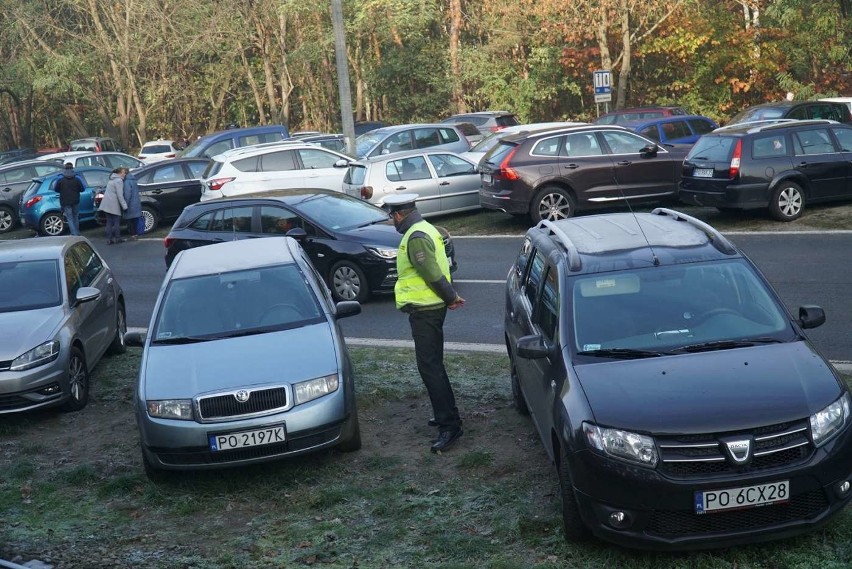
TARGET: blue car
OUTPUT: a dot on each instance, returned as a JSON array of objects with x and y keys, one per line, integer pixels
[
  {"x": 40, "y": 210},
  {"x": 681, "y": 129}
]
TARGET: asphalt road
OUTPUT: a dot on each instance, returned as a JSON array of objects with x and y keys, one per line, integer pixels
[{"x": 804, "y": 268}]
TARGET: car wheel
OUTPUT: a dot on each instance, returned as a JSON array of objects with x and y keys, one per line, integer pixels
[
  {"x": 151, "y": 217},
  {"x": 575, "y": 529},
  {"x": 788, "y": 202},
  {"x": 78, "y": 381},
  {"x": 353, "y": 441},
  {"x": 52, "y": 223},
  {"x": 517, "y": 395},
  {"x": 118, "y": 346},
  {"x": 348, "y": 282},
  {"x": 552, "y": 203},
  {"x": 7, "y": 220}
]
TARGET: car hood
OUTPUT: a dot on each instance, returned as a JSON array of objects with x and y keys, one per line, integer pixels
[
  {"x": 378, "y": 233},
  {"x": 723, "y": 390},
  {"x": 32, "y": 328},
  {"x": 289, "y": 356}
]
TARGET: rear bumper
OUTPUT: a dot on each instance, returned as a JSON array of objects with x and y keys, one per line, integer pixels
[
  {"x": 503, "y": 200},
  {"x": 733, "y": 197}
]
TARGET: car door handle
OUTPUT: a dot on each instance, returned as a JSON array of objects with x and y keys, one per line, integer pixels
[
  {"x": 444, "y": 184},
  {"x": 802, "y": 165},
  {"x": 400, "y": 188},
  {"x": 157, "y": 192},
  {"x": 572, "y": 166},
  {"x": 625, "y": 163}
]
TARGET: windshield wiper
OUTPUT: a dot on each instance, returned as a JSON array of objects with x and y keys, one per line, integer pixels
[
  {"x": 183, "y": 340},
  {"x": 620, "y": 353},
  {"x": 726, "y": 345}
]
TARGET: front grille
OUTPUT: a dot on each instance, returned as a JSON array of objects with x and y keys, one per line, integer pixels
[
  {"x": 774, "y": 446},
  {"x": 682, "y": 522},
  {"x": 226, "y": 405}
]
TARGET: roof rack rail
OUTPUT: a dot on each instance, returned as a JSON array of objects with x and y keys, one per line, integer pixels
[
  {"x": 717, "y": 239},
  {"x": 251, "y": 147},
  {"x": 574, "y": 263},
  {"x": 803, "y": 122},
  {"x": 756, "y": 123}
]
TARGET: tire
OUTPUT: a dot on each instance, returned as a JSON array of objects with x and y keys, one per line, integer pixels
[
  {"x": 118, "y": 346},
  {"x": 348, "y": 282},
  {"x": 518, "y": 396},
  {"x": 78, "y": 379},
  {"x": 575, "y": 529},
  {"x": 152, "y": 218},
  {"x": 353, "y": 442},
  {"x": 787, "y": 202},
  {"x": 552, "y": 203},
  {"x": 8, "y": 220},
  {"x": 52, "y": 223}
]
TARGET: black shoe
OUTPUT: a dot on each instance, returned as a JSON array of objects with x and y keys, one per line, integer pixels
[
  {"x": 446, "y": 439},
  {"x": 432, "y": 423}
]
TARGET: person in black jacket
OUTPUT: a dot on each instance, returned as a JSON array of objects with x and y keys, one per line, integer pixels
[{"x": 70, "y": 187}]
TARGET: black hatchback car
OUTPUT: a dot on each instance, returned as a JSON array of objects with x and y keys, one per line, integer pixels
[
  {"x": 781, "y": 166},
  {"x": 794, "y": 110},
  {"x": 352, "y": 244},
  {"x": 553, "y": 174},
  {"x": 15, "y": 178},
  {"x": 681, "y": 402}
]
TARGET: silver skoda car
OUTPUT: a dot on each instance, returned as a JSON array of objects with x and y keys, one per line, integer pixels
[
  {"x": 61, "y": 310},
  {"x": 243, "y": 361}
]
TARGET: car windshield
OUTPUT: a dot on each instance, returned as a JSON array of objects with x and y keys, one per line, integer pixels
[
  {"x": 237, "y": 303},
  {"x": 675, "y": 308},
  {"x": 341, "y": 212},
  {"x": 757, "y": 114},
  {"x": 29, "y": 285},
  {"x": 195, "y": 149},
  {"x": 488, "y": 142},
  {"x": 366, "y": 141}
]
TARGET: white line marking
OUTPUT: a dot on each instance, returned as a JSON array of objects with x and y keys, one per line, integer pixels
[{"x": 479, "y": 281}]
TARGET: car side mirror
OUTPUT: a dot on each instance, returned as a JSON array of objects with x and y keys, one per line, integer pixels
[
  {"x": 86, "y": 294},
  {"x": 347, "y": 308},
  {"x": 385, "y": 151},
  {"x": 135, "y": 338},
  {"x": 341, "y": 163},
  {"x": 811, "y": 316},
  {"x": 649, "y": 151},
  {"x": 297, "y": 233},
  {"x": 532, "y": 347}
]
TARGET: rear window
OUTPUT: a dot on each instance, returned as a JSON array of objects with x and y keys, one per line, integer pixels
[
  {"x": 355, "y": 175},
  {"x": 712, "y": 148},
  {"x": 468, "y": 129},
  {"x": 507, "y": 120},
  {"x": 155, "y": 149},
  {"x": 212, "y": 169},
  {"x": 496, "y": 155}
]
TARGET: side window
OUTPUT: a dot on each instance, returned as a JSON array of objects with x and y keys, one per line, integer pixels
[
  {"x": 582, "y": 144},
  {"x": 127, "y": 161},
  {"x": 548, "y": 146},
  {"x": 651, "y": 132},
  {"x": 700, "y": 126},
  {"x": 73, "y": 271},
  {"x": 769, "y": 146},
  {"x": 624, "y": 142},
  {"x": 108, "y": 146},
  {"x": 523, "y": 257},
  {"x": 844, "y": 137},
  {"x": 260, "y": 138},
  {"x": 89, "y": 262},
  {"x": 799, "y": 113},
  {"x": 277, "y": 220},
  {"x": 397, "y": 142},
  {"x": 546, "y": 313},
  {"x": 534, "y": 276},
  {"x": 829, "y": 112},
  {"x": 449, "y": 165},
  {"x": 170, "y": 173},
  {"x": 203, "y": 222},
  {"x": 314, "y": 158},
  {"x": 676, "y": 129},
  {"x": 20, "y": 175},
  {"x": 196, "y": 169},
  {"x": 448, "y": 135},
  {"x": 95, "y": 179},
  {"x": 814, "y": 141},
  {"x": 280, "y": 161},
  {"x": 249, "y": 164},
  {"x": 218, "y": 148},
  {"x": 236, "y": 219},
  {"x": 426, "y": 137},
  {"x": 413, "y": 168}
]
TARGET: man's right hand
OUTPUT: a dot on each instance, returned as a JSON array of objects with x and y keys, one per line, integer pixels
[{"x": 457, "y": 303}]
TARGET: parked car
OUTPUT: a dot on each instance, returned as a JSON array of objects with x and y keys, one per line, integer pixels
[
  {"x": 273, "y": 166},
  {"x": 478, "y": 150},
  {"x": 685, "y": 129},
  {"x": 681, "y": 402},
  {"x": 553, "y": 174},
  {"x": 15, "y": 152},
  {"x": 165, "y": 188},
  {"x": 15, "y": 178},
  {"x": 336, "y": 142},
  {"x": 157, "y": 150},
  {"x": 366, "y": 126},
  {"x": 96, "y": 144},
  {"x": 353, "y": 244},
  {"x": 487, "y": 122},
  {"x": 780, "y": 167},
  {"x": 410, "y": 137},
  {"x": 62, "y": 310},
  {"x": 78, "y": 158},
  {"x": 40, "y": 211},
  {"x": 289, "y": 391},
  {"x": 218, "y": 142},
  {"x": 639, "y": 113},
  {"x": 444, "y": 182},
  {"x": 798, "y": 110},
  {"x": 844, "y": 100}
]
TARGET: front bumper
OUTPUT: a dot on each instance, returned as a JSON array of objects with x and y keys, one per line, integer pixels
[
  {"x": 43, "y": 386},
  {"x": 659, "y": 511}
]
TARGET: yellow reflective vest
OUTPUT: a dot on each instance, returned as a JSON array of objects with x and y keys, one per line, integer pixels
[{"x": 410, "y": 288}]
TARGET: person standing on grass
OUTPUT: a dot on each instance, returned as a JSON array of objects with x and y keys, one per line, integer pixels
[
  {"x": 69, "y": 188},
  {"x": 113, "y": 204},
  {"x": 133, "y": 213},
  {"x": 423, "y": 290}
]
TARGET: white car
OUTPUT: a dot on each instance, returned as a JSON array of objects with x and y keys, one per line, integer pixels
[
  {"x": 477, "y": 151},
  {"x": 273, "y": 166},
  {"x": 158, "y": 150},
  {"x": 109, "y": 160}
]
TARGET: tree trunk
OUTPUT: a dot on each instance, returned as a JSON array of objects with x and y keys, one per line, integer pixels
[
  {"x": 624, "y": 72},
  {"x": 455, "y": 67}
]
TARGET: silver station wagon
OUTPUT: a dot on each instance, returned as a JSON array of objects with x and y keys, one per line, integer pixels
[{"x": 244, "y": 361}]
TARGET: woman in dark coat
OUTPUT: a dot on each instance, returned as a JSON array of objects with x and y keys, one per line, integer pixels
[{"x": 133, "y": 213}]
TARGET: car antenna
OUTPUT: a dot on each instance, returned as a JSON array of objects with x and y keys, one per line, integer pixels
[{"x": 633, "y": 213}]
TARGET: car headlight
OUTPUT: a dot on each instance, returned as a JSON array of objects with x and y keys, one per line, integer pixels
[
  {"x": 383, "y": 252},
  {"x": 828, "y": 422},
  {"x": 171, "y": 409},
  {"x": 632, "y": 447},
  {"x": 38, "y": 356},
  {"x": 314, "y": 388}
]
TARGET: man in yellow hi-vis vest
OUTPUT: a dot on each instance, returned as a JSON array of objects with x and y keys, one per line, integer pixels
[{"x": 424, "y": 290}]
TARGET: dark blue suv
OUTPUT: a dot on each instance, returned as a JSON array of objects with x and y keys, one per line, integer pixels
[{"x": 215, "y": 143}]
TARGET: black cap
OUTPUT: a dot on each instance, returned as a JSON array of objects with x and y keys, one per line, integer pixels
[
  {"x": 69, "y": 166},
  {"x": 400, "y": 202}
]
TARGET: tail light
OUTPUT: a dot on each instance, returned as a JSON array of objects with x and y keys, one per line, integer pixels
[
  {"x": 366, "y": 192},
  {"x": 173, "y": 155},
  {"x": 167, "y": 241},
  {"x": 734, "y": 170},
  {"x": 505, "y": 171},
  {"x": 32, "y": 201},
  {"x": 217, "y": 183}
]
